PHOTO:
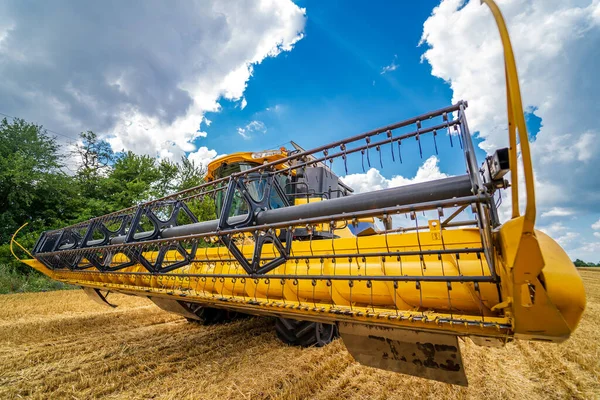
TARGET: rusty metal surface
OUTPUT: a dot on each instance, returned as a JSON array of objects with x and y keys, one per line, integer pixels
[
  {"x": 422, "y": 354},
  {"x": 173, "y": 306}
]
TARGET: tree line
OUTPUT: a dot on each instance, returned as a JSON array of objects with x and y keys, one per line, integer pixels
[
  {"x": 37, "y": 187},
  {"x": 580, "y": 263}
]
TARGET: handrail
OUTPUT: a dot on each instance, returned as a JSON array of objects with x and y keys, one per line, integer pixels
[{"x": 516, "y": 121}]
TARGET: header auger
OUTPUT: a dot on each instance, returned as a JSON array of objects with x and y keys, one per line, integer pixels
[{"x": 399, "y": 273}]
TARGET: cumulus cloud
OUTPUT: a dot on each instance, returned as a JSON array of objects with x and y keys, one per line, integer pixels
[
  {"x": 558, "y": 212},
  {"x": 203, "y": 156},
  {"x": 555, "y": 44},
  {"x": 373, "y": 180},
  {"x": 560, "y": 233},
  {"x": 141, "y": 75},
  {"x": 589, "y": 250},
  {"x": 252, "y": 127},
  {"x": 596, "y": 225}
]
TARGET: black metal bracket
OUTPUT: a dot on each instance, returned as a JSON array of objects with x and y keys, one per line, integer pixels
[
  {"x": 284, "y": 250},
  {"x": 270, "y": 187},
  {"x": 158, "y": 224}
]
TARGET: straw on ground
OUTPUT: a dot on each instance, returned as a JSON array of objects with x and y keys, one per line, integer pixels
[{"x": 62, "y": 345}]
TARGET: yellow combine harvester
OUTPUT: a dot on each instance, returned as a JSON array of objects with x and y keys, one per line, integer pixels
[{"x": 291, "y": 241}]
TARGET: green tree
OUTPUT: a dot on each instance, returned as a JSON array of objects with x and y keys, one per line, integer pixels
[
  {"x": 581, "y": 263},
  {"x": 131, "y": 180},
  {"x": 167, "y": 182},
  {"x": 95, "y": 154},
  {"x": 35, "y": 189},
  {"x": 95, "y": 158},
  {"x": 189, "y": 174},
  {"x": 32, "y": 187}
]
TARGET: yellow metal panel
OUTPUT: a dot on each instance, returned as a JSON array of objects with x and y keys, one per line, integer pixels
[{"x": 243, "y": 157}]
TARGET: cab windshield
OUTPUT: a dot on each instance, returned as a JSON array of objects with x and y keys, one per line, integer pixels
[{"x": 255, "y": 186}]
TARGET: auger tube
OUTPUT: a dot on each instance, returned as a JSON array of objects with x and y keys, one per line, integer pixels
[{"x": 457, "y": 186}]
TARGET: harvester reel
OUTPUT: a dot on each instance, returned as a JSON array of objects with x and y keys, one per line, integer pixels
[{"x": 305, "y": 333}]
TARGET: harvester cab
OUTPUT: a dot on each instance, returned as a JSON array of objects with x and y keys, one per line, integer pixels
[
  {"x": 308, "y": 184},
  {"x": 399, "y": 273}
]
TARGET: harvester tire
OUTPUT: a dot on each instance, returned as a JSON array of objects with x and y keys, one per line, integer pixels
[
  {"x": 305, "y": 333},
  {"x": 210, "y": 316}
]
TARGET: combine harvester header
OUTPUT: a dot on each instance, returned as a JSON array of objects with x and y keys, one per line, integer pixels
[{"x": 291, "y": 241}]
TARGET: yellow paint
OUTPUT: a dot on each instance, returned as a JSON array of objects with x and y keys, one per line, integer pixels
[
  {"x": 516, "y": 119},
  {"x": 244, "y": 157}
]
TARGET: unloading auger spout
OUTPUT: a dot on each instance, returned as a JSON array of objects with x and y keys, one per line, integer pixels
[{"x": 399, "y": 273}]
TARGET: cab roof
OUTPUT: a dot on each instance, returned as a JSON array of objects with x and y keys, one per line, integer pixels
[{"x": 260, "y": 157}]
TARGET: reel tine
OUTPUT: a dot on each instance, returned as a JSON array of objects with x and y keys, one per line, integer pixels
[
  {"x": 449, "y": 289},
  {"x": 417, "y": 137},
  {"x": 325, "y": 154},
  {"x": 389, "y": 135},
  {"x": 399, "y": 151},
  {"x": 458, "y": 133},
  {"x": 362, "y": 155},
  {"x": 344, "y": 157},
  {"x": 368, "y": 139},
  {"x": 445, "y": 118}
]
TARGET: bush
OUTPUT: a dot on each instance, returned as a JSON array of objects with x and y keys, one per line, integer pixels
[{"x": 13, "y": 281}]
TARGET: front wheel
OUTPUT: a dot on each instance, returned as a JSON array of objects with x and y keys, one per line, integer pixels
[{"x": 305, "y": 333}]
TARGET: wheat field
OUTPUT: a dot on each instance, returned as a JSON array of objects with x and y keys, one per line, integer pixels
[{"x": 62, "y": 345}]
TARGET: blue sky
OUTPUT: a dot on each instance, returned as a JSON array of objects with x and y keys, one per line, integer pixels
[
  {"x": 145, "y": 77},
  {"x": 331, "y": 85},
  {"x": 349, "y": 73}
]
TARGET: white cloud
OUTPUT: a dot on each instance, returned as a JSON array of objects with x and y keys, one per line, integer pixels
[
  {"x": 567, "y": 238},
  {"x": 558, "y": 212},
  {"x": 596, "y": 225},
  {"x": 106, "y": 67},
  {"x": 589, "y": 251},
  {"x": 553, "y": 229},
  {"x": 560, "y": 233},
  {"x": 597, "y": 234},
  {"x": 277, "y": 108},
  {"x": 389, "y": 68},
  {"x": 203, "y": 156},
  {"x": 251, "y": 127},
  {"x": 555, "y": 44},
  {"x": 373, "y": 180}
]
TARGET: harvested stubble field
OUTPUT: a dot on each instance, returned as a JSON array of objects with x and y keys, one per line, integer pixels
[{"x": 62, "y": 345}]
